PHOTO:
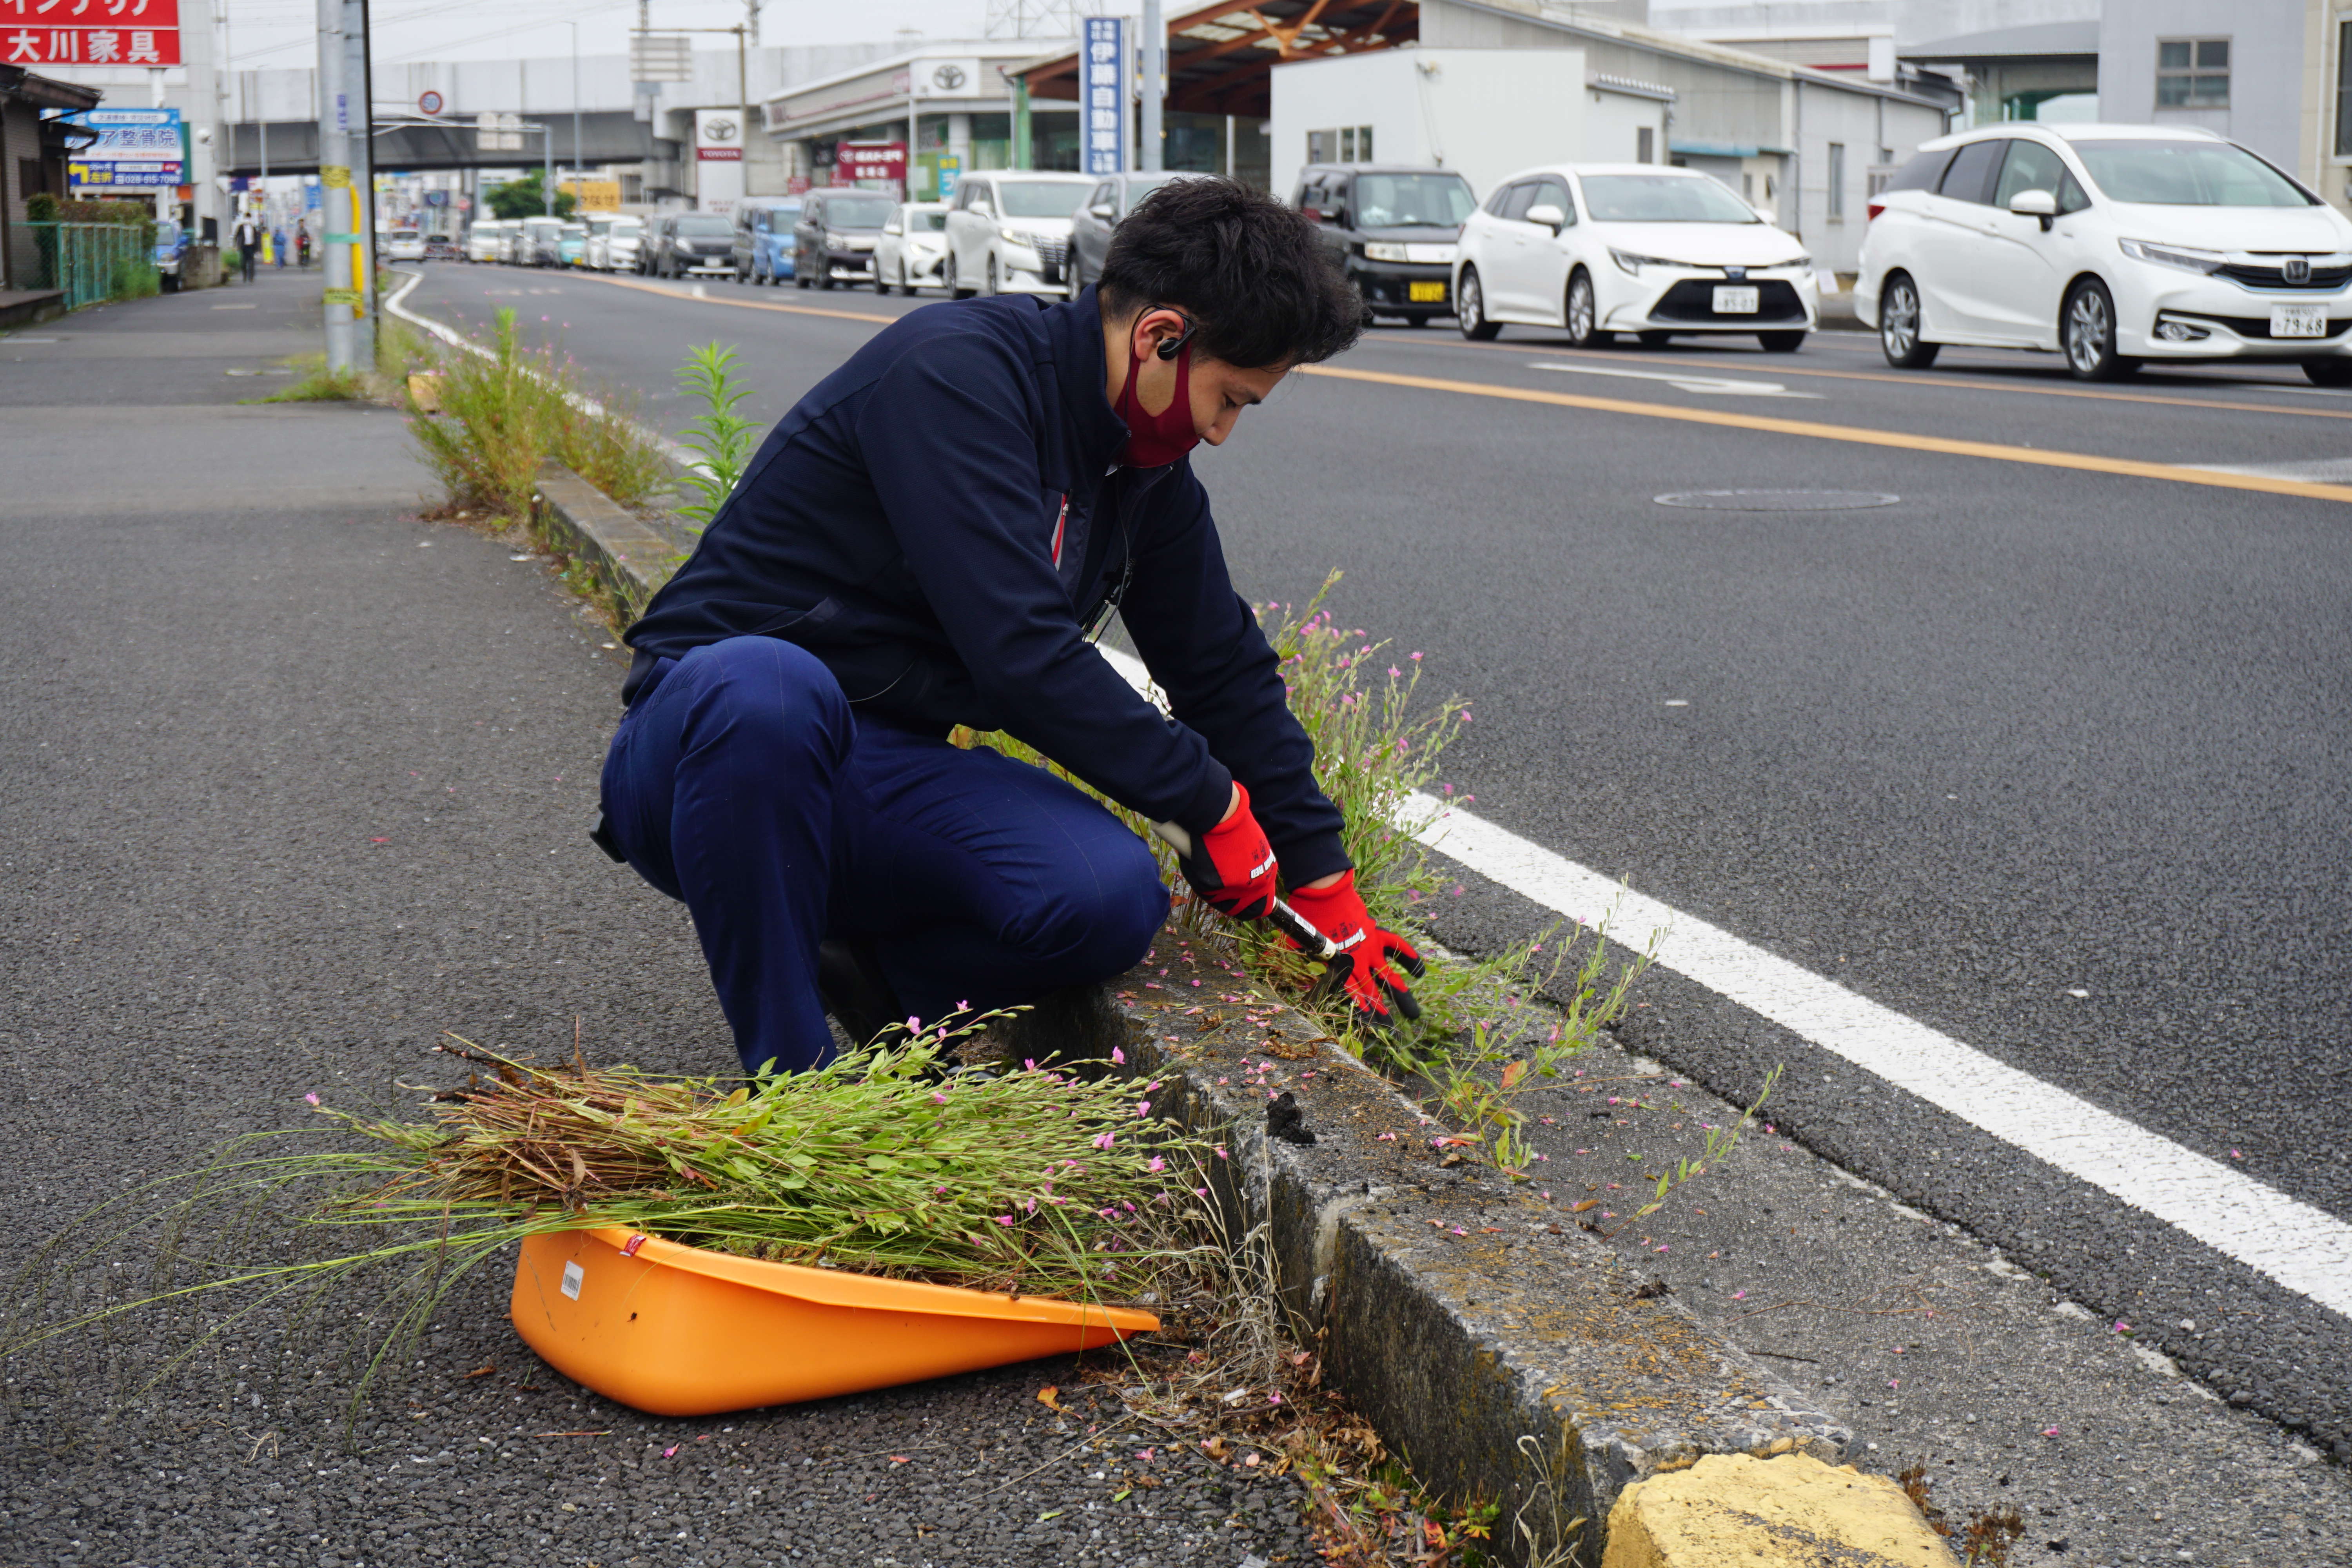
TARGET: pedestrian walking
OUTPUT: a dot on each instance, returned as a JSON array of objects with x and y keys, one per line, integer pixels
[
  {"x": 928, "y": 540},
  {"x": 302, "y": 245},
  {"x": 247, "y": 237},
  {"x": 277, "y": 247}
]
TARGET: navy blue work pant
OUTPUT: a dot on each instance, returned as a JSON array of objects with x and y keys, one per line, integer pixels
[{"x": 742, "y": 782}]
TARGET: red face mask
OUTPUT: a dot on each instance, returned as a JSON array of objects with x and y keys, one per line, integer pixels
[{"x": 1155, "y": 440}]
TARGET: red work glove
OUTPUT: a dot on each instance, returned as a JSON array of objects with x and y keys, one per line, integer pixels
[
  {"x": 1231, "y": 865},
  {"x": 1369, "y": 958}
]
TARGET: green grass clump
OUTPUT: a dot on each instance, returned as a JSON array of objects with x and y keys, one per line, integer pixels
[{"x": 504, "y": 412}]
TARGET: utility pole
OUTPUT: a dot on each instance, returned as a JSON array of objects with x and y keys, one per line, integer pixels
[
  {"x": 359, "y": 89},
  {"x": 1155, "y": 48},
  {"x": 335, "y": 190}
]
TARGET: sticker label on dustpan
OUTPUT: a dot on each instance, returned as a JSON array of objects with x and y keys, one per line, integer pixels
[{"x": 572, "y": 1275}]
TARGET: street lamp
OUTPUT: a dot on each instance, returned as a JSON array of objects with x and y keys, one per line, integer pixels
[{"x": 579, "y": 175}]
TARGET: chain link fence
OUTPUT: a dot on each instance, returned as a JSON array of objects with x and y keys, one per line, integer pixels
[{"x": 93, "y": 261}]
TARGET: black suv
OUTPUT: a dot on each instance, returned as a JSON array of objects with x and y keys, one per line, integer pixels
[
  {"x": 1394, "y": 229},
  {"x": 834, "y": 240}
]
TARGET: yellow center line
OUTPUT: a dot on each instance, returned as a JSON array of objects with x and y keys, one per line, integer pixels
[
  {"x": 1668, "y": 363},
  {"x": 1859, "y": 435},
  {"x": 644, "y": 288}
]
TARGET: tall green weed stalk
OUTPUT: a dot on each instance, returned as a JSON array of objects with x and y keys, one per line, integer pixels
[
  {"x": 722, "y": 439},
  {"x": 502, "y": 415}
]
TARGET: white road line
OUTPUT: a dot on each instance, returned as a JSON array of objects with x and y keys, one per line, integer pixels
[
  {"x": 1689, "y": 380},
  {"x": 2300, "y": 1246},
  {"x": 2319, "y": 470}
]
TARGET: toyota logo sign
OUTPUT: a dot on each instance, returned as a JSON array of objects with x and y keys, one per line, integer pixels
[
  {"x": 719, "y": 130},
  {"x": 947, "y": 78}
]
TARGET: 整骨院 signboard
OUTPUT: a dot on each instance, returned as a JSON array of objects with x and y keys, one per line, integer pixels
[
  {"x": 89, "y": 32},
  {"x": 136, "y": 150}
]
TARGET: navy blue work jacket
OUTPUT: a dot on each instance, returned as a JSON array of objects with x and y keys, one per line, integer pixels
[{"x": 940, "y": 518}]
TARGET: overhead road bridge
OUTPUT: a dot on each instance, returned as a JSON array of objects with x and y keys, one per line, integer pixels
[{"x": 606, "y": 136}]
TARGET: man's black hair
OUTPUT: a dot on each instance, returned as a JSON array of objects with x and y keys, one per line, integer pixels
[{"x": 1252, "y": 272}]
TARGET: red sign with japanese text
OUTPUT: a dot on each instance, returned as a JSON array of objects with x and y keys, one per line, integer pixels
[
  {"x": 36, "y": 33},
  {"x": 871, "y": 161}
]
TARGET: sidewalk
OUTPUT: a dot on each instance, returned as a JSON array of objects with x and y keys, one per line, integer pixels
[{"x": 298, "y": 782}]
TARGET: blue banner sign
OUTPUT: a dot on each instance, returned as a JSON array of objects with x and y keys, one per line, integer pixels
[
  {"x": 137, "y": 149},
  {"x": 1102, "y": 94}
]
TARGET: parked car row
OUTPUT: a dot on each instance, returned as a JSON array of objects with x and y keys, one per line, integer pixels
[
  {"x": 2111, "y": 245},
  {"x": 533, "y": 241}
]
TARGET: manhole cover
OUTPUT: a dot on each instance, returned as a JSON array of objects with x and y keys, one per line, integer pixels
[{"x": 1777, "y": 500}]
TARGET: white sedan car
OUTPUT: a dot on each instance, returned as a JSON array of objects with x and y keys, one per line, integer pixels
[
  {"x": 612, "y": 243},
  {"x": 1010, "y": 232},
  {"x": 2114, "y": 244},
  {"x": 1600, "y": 249},
  {"x": 912, "y": 249}
]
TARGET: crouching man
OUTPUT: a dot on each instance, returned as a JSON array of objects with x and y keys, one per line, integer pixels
[{"x": 928, "y": 539}]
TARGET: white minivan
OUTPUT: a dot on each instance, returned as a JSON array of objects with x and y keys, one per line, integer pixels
[
  {"x": 486, "y": 240},
  {"x": 1010, "y": 231},
  {"x": 2111, "y": 244}
]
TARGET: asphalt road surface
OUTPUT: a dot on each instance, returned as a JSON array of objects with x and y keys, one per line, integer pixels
[
  {"x": 296, "y": 782},
  {"x": 2050, "y": 755}
]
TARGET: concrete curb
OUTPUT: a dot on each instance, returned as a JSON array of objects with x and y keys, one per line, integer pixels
[
  {"x": 630, "y": 557},
  {"x": 1505, "y": 1354}
]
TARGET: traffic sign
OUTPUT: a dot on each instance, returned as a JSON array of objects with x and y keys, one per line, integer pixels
[
  {"x": 428, "y": 103},
  {"x": 661, "y": 57}
]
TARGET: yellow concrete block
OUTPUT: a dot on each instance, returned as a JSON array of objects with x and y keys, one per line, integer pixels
[{"x": 1734, "y": 1511}]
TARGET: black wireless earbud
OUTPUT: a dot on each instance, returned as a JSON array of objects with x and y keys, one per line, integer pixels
[{"x": 1169, "y": 346}]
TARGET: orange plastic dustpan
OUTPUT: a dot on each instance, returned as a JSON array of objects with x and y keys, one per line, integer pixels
[{"x": 681, "y": 1331}]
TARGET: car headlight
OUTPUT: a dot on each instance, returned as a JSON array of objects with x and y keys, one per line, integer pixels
[
  {"x": 1021, "y": 237},
  {"x": 836, "y": 241},
  {"x": 2188, "y": 258},
  {"x": 1794, "y": 261},
  {"x": 1633, "y": 264},
  {"x": 1381, "y": 250}
]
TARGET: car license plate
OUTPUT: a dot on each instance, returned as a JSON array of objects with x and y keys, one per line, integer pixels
[
  {"x": 1735, "y": 301},
  {"x": 2298, "y": 320},
  {"x": 1430, "y": 293}
]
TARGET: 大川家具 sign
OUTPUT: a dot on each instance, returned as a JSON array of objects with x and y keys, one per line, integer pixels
[{"x": 89, "y": 32}]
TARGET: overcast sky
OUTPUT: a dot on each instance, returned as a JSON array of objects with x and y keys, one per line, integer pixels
[{"x": 265, "y": 33}]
